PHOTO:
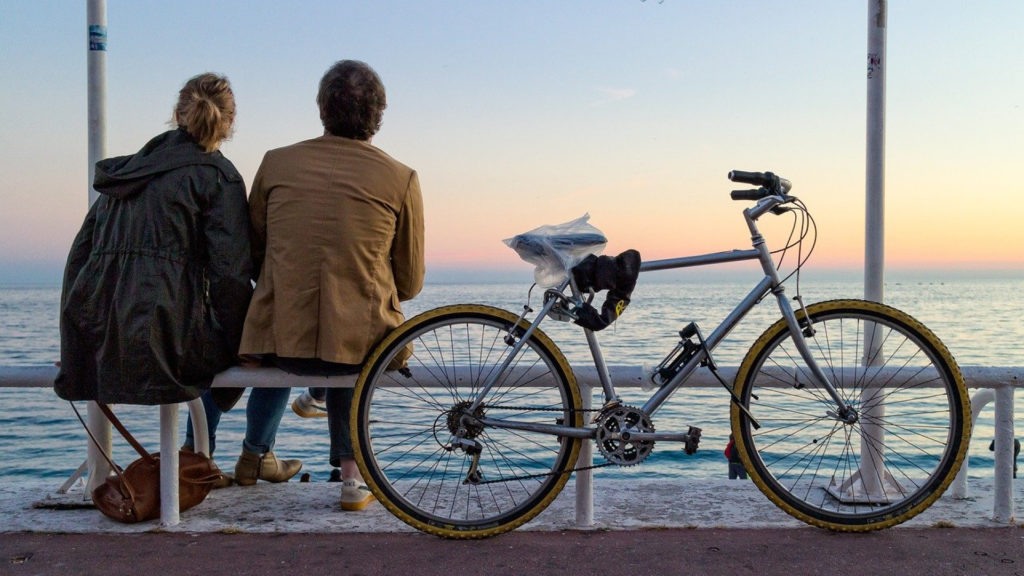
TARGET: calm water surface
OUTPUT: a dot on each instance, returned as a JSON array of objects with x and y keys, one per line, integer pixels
[{"x": 979, "y": 320}]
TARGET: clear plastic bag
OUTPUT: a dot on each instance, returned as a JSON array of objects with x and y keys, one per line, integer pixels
[{"x": 555, "y": 248}]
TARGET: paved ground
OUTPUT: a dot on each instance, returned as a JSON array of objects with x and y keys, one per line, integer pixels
[
  {"x": 645, "y": 527},
  {"x": 768, "y": 552}
]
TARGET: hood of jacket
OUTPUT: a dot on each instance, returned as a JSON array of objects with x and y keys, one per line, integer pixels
[{"x": 123, "y": 176}]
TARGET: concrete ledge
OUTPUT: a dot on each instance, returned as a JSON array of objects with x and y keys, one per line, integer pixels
[{"x": 620, "y": 504}]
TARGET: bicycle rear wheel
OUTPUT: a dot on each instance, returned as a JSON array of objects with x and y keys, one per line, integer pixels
[
  {"x": 895, "y": 460},
  {"x": 404, "y": 423}
]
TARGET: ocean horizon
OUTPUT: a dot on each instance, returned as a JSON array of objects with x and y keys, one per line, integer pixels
[{"x": 34, "y": 273}]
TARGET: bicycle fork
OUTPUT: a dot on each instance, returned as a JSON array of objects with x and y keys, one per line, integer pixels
[
  {"x": 844, "y": 413},
  {"x": 798, "y": 330}
]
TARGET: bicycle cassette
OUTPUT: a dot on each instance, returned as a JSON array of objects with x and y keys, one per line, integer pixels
[{"x": 615, "y": 426}]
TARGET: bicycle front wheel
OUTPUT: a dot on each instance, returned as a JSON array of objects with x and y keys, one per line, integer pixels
[
  {"x": 899, "y": 454},
  {"x": 422, "y": 447}
]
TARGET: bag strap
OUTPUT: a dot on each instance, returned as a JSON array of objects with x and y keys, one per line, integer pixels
[
  {"x": 113, "y": 466},
  {"x": 120, "y": 428},
  {"x": 208, "y": 479},
  {"x": 122, "y": 483},
  {"x": 124, "y": 431}
]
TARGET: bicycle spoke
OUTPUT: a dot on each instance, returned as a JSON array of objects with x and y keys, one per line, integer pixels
[
  {"x": 425, "y": 450},
  {"x": 900, "y": 448}
]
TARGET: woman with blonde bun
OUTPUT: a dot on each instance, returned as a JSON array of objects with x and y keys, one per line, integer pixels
[{"x": 158, "y": 279}]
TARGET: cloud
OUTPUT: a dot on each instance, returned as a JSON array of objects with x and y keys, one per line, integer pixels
[{"x": 609, "y": 95}]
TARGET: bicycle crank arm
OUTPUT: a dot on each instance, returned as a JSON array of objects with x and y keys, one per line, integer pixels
[
  {"x": 690, "y": 440},
  {"x": 652, "y": 436}
]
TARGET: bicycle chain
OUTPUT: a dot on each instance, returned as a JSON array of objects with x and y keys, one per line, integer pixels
[
  {"x": 532, "y": 476},
  {"x": 536, "y": 409}
]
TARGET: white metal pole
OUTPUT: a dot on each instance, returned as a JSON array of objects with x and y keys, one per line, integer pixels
[
  {"x": 874, "y": 239},
  {"x": 872, "y": 463},
  {"x": 96, "y": 17}
]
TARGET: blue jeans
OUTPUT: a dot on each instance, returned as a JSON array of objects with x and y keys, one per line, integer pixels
[
  {"x": 339, "y": 403},
  {"x": 736, "y": 470},
  {"x": 339, "y": 400},
  {"x": 263, "y": 415}
]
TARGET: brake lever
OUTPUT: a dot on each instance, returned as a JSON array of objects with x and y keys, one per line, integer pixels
[{"x": 781, "y": 208}]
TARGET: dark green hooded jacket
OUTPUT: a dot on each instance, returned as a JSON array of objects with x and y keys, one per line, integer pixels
[{"x": 158, "y": 280}]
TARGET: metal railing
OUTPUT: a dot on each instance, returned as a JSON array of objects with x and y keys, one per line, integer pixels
[{"x": 995, "y": 383}]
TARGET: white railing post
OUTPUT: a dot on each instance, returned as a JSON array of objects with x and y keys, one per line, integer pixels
[
  {"x": 980, "y": 399},
  {"x": 169, "y": 512},
  {"x": 200, "y": 429},
  {"x": 1003, "y": 490},
  {"x": 97, "y": 467},
  {"x": 585, "y": 478}
]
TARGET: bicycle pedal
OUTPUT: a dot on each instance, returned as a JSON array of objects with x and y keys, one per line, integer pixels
[{"x": 692, "y": 440}]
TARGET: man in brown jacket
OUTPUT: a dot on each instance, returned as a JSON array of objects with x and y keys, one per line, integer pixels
[{"x": 338, "y": 239}]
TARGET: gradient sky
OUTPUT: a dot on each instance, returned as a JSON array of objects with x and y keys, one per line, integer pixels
[{"x": 517, "y": 114}]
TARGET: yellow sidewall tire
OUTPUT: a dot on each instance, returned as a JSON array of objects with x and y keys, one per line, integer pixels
[
  {"x": 738, "y": 419},
  {"x": 373, "y": 365}
]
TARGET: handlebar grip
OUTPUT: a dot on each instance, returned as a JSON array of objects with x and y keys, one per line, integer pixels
[
  {"x": 755, "y": 178},
  {"x": 750, "y": 194},
  {"x": 772, "y": 182}
]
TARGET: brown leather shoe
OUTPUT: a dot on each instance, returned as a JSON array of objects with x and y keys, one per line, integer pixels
[{"x": 252, "y": 467}]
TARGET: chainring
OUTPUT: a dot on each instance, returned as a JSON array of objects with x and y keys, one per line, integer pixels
[{"x": 614, "y": 426}]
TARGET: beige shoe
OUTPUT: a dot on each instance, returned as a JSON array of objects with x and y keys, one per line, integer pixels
[
  {"x": 252, "y": 467},
  {"x": 308, "y": 407},
  {"x": 355, "y": 495}
]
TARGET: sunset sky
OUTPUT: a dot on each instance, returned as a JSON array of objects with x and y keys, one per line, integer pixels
[{"x": 517, "y": 114}]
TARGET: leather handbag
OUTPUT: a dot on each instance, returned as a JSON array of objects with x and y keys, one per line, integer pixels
[{"x": 133, "y": 494}]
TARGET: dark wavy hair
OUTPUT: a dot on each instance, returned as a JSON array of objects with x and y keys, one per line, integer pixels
[{"x": 351, "y": 100}]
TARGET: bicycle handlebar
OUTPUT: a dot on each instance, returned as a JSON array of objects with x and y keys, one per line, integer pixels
[
  {"x": 750, "y": 194},
  {"x": 769, "y": 183}
]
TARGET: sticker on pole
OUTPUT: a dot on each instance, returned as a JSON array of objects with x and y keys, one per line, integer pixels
[{"x": 98, "y": 38}]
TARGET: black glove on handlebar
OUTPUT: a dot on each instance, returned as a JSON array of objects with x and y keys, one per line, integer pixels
[{"x": 616, "y": 275}]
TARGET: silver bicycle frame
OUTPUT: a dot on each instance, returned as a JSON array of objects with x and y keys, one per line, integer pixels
[{"x": 769, "y": 284}]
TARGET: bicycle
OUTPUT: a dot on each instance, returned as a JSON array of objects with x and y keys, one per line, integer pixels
[{"x": 849, "y": 415}]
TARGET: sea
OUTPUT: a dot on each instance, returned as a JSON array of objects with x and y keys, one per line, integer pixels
[{"x": 979, "y": 319}]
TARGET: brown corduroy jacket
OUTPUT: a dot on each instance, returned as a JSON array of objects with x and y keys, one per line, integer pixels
[{"x": 338, "y": 237}]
